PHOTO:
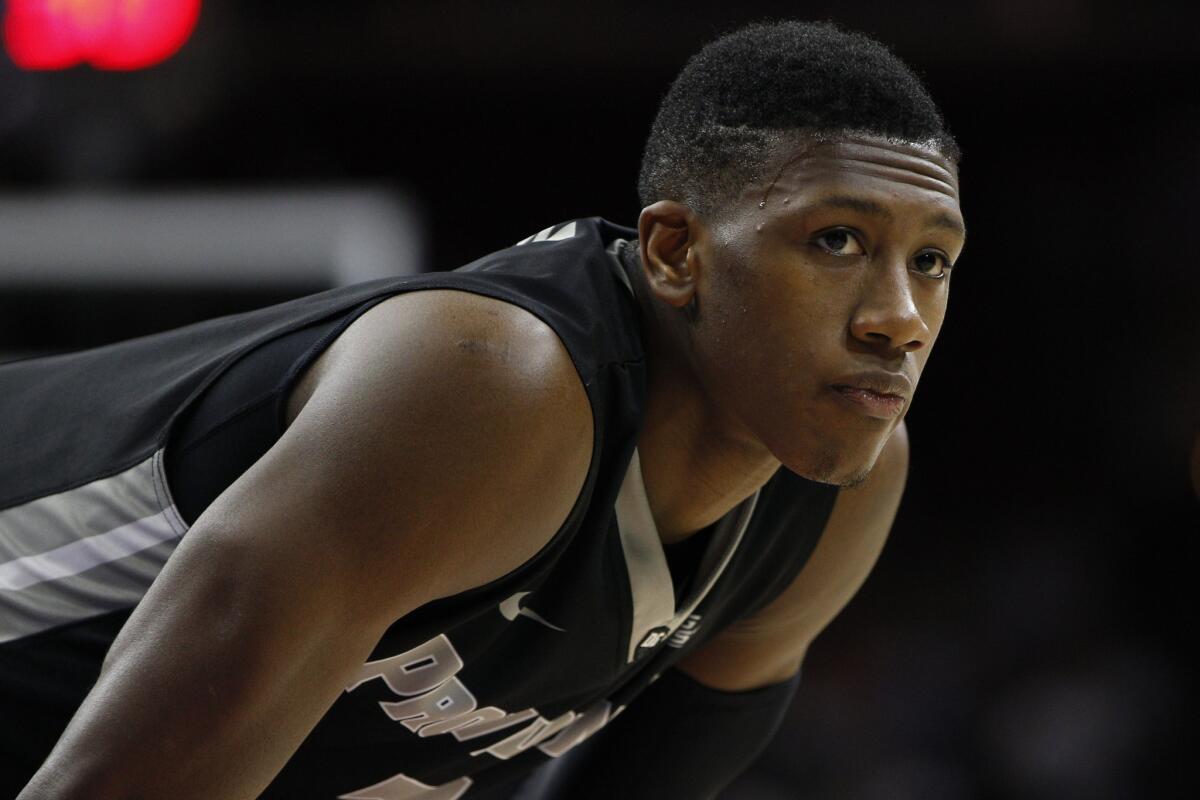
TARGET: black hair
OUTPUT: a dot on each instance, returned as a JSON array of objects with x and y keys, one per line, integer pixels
[{"x": 743, "y": 92}]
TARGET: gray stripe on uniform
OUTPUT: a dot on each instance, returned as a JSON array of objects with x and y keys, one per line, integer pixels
[
  {"x": 88, "y": 552},
  {"x": 108, "y": 587},
  {"x": 85, "y": 551},
  {"x": 97, "y": 507}
]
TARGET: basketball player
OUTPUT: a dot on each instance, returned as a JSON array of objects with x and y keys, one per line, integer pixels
[{"x": 586, "y": 501}]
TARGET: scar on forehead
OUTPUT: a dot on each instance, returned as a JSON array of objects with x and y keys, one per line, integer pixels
[{"x": 779, "y": 174}]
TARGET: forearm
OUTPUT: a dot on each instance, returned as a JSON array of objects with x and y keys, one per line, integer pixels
[
  {"x": 195, "y": 699},
  {"x": 679, "y": 739}
]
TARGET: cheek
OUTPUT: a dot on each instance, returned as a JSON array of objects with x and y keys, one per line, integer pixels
[
  {"x": 807, "y": 315},
  {"x": 768, "y": 336},
  {"x": 772, "y": 326}
]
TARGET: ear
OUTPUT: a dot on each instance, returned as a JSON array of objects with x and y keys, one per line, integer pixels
[{"x": 666, "y": 232}]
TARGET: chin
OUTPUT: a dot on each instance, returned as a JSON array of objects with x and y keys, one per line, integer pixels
[
  {"x": 845, "y": 479},
  {"x": 846, "y": 467}
]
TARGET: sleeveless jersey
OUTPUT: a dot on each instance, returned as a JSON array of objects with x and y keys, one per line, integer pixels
[{"x": 465, "y": 693}]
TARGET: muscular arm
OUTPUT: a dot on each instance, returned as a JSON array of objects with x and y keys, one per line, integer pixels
[
  {"x": 421, "y": 435},
  {"x": 694, "y": 730}
]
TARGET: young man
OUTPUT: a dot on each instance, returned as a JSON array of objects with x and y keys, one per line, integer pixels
[{"x": 416, "y": 538}]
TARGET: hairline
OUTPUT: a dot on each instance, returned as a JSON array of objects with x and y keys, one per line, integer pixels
[{"x": 797, "y": 142}]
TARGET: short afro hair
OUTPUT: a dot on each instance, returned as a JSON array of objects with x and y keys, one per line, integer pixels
[{"x": 746, "y": 91}]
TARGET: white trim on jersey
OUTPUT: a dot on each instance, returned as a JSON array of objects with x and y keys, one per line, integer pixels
[
  {"x": 649, "y": 577},
  {"x": 655, "y": 617},
  {"x": 614, "y": 252},
  {"x": 402, "y": 787},
  {"x": 552, "y": 234}
]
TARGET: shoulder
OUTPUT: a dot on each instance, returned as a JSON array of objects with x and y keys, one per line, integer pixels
[
  {"x": 770, "y": 645},
  {"x": 457, "y": 334},
  {"x": 440, "y": 423}
]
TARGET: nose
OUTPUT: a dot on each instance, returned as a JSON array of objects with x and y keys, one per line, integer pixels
[{"x": 887, "y": 316}]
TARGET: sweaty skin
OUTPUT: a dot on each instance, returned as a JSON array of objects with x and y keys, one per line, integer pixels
[{"x": 825, "y": 273}]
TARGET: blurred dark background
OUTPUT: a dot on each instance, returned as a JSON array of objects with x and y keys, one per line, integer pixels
[{"x": 1024, "y": 634}]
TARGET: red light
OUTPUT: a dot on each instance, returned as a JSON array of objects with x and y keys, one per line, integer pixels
[{"x": 108, "y": 34}]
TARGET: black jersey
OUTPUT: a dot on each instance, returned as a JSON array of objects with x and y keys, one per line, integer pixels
[{"x": 107, "y": 456}]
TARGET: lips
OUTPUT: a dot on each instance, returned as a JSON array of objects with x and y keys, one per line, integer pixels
[{"x": 882, "y": 395}]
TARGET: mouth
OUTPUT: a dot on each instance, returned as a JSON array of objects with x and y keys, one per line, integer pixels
[{"x": 882, "y": 395}]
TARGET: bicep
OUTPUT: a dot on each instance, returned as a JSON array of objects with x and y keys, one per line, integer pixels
[
  {"x": 471, "y": 432},
  {"x": 769, "y": 646},
  {"x": 420, "y": 442}
]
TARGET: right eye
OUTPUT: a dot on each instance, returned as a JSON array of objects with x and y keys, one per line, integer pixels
[{"x": 840, "y": 242}]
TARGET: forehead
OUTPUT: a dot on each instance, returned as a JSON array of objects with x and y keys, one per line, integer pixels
[{"x": 865, "y": 163}]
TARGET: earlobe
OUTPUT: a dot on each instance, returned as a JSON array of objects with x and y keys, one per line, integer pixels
[{"x": 666, "y": 231}]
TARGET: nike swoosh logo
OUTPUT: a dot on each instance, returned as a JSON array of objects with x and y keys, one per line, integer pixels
[{"x": 510, "y": 609}]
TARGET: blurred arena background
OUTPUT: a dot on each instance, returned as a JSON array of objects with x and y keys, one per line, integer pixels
[{"x": 1024, "y": 633}]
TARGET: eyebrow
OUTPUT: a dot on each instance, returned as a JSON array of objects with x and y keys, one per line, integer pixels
[{"x": 939, "y": 220}]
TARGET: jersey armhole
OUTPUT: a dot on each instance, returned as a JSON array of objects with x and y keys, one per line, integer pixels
[{"x": 271, "y": 398}]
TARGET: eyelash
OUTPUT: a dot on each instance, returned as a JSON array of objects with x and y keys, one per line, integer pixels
[{"x": 946, "y": 263}]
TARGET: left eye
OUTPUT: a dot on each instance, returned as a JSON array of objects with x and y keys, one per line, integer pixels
[
  {"x": 840, "y": 242},
  {"x": 931, "y": 263}
]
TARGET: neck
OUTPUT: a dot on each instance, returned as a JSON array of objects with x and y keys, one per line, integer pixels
[{"x": 697, "y": 463}]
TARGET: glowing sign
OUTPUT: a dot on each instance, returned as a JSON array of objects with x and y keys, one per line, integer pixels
[{"x": 108, "y": 34}]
